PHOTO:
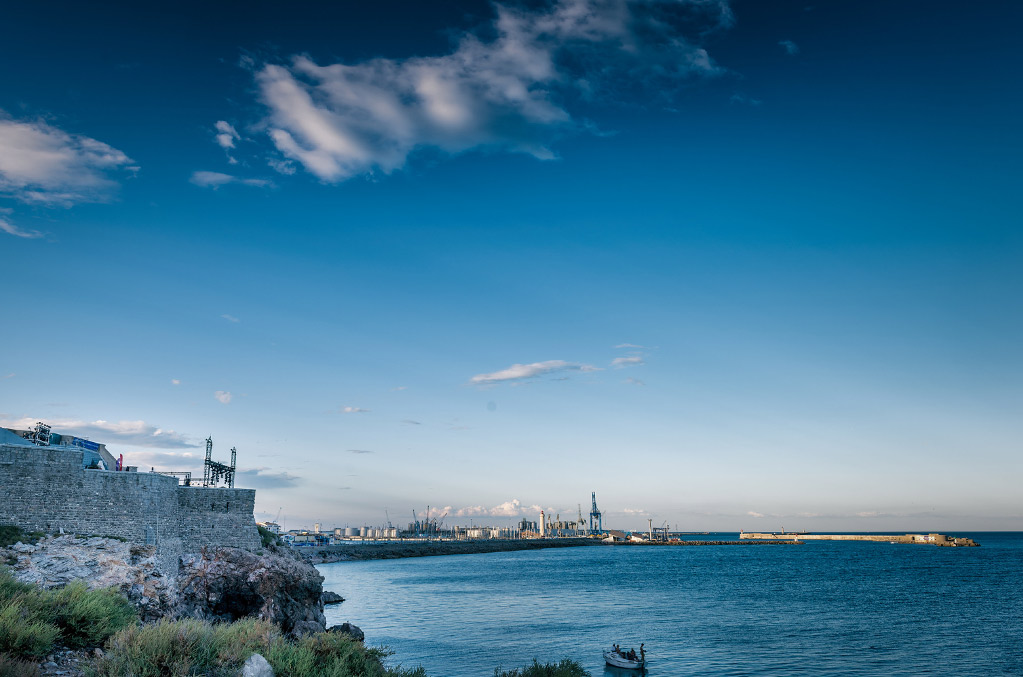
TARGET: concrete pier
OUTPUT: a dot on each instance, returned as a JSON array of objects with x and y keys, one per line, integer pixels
[{"x": 924, "y": 539}]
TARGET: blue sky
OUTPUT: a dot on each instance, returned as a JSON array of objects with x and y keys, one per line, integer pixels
[{"x": 730, "y": 265}]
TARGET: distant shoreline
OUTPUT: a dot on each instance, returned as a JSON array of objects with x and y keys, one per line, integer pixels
[{"x": 373, "y": 551}]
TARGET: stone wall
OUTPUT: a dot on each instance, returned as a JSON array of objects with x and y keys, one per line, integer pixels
[{"x": 47, "y": 490}]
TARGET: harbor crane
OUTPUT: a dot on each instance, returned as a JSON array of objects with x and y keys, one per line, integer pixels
[{"x": 595, "y": 517}]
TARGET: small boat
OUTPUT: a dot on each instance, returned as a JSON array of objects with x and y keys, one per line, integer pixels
[{"x": 619, "y": 660}]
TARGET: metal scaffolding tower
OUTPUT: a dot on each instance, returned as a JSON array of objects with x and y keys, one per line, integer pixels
[
  {"x": 214, "y": 471},
  {"x": 595, "y": 515}
]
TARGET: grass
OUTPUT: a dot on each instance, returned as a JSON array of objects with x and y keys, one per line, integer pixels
[
  {"x": 33, "y": 620},
  {"x": 192, "y": 647},
  {"x": 10, "y": 534},
  {"x": 566, "y": 668}
]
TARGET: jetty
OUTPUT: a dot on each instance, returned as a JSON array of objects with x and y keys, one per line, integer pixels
[{"x": 919, "y": 539}]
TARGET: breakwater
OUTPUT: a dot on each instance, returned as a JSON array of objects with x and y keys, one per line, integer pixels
[
  {"x": 352, "y": 553},
  {"x": 922, "y": 539},
  {"x": 397, "y": 550}
]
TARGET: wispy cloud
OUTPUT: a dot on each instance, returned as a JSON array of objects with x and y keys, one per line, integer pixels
[
  {"x": 745, "y": 100},
  {"x": 11, "y": 375},
  {"x": 622, "y": 362},
  {"x": 11, "y": 229},
  {"x": 752, "y": 513},
  {"x": 226, "y": 134},
  {"x": 631, "y": 345},
  {"x": 215, "y": 180},
  {"x": 504, "y": 87},
  {"x": 360, "y": 451},
  {"x": 409, "y": 421},
  {"x": 354, "y": 410},
  {"x": 137, "y": 433},
  {"x": 176, "y": 381},
  {"x": 266, "y": 478},
  {"x": 790, "y": 47},
  {"x": 518, "y": 372},
  {"x": 223, "y": 396},
  {"x": 635, "y": 382},
  {"x": 42, "y": 164},
  {"x": 230, "y": 318}
]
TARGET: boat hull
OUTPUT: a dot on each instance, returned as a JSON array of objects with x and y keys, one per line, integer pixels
[{"x": 619, "y": 661}]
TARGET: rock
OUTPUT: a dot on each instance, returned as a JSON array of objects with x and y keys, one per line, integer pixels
[
  {"x": 98, "y": 652},
  {"x": 348, "y": 629},
  {"x": 257, "y": 666},
  {"x": 226, "y": 584},
  {"x": 330, "y": 597}
]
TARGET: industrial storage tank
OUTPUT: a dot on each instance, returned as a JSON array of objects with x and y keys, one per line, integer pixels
[
  {"x": 351, "y": 531},
  {"x": 392, "y": 532}
]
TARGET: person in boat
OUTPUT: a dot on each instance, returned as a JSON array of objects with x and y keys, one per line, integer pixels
[
  {"x": 642, "y": 653},
  {"x": 631, "y": 655}
]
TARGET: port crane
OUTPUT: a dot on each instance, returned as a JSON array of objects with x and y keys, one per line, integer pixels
[{"x": 595, "y": 516}]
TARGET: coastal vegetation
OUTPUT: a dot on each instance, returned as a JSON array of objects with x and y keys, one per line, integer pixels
[
  {"x": 193, "y": 647},
  {"x": 566, "y": 668},
  {"x": 34, "y": 620}
]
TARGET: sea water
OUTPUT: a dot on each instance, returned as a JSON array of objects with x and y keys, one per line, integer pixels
[{"x": 820, "y": 608}]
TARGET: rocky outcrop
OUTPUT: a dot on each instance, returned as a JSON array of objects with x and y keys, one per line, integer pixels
[
  {"x": 102, "y": 563},
  {"x": 330, "y": 597},
  {"x": 215, "y": 584},
  {"x": 353, "y": 631},
  {"x": 230, "y": 583}
]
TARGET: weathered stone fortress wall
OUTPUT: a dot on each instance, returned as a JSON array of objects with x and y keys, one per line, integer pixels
[{"x": 47, "y": 490}]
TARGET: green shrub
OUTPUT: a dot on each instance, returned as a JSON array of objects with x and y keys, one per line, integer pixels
[
  {"x": 22, "y": 633},
  {"x": 191, "y": 647},
  {"x": 12, "y": 667},
  {"x": 88, "y": 617},
  {"x": 566, "y": 668},
  {"x": 32, "y": 620},
  {"x": 10, "y": 534},
  {"x": 268, "y": 537}
]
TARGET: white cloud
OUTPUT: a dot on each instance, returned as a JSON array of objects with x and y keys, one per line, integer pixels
[
  {"x": 226, "y": 135},
  {"x": 176, "y": 381},
  {"x": 354, "y": 410},
  {"x": 790, "y": 47},
  {"x": 755, "y": 514},
  {"x": 512, "y": 508},
  {"x": 524, "y": 371},
  {"x": 11, "y": 375},
  {"x": 635, "y": 382},
  {"x": 11, "y": 229},
  {"x": 230, "y": 318},
  {"x": 42, "y": 164},
  {"x": 223, "y": 396},
  {"x": 621, "y": 362},
  {"x": 630, "y": 345},
  {"x": 506, "y": 90},
  {"x": 215, "y": 180},
  {"x": 137, "y": 433},
  {"x": 634, "y": 511},
  {"x": 360, "y": 451}
]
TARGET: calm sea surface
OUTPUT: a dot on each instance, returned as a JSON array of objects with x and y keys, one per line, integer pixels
[{"x": 822, "y": 608}]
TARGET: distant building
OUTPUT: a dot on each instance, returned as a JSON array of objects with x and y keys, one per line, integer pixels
[{"x": 94, "y": 454}]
